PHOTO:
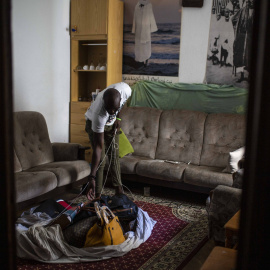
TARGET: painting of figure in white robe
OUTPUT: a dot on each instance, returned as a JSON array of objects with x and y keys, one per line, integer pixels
[
  {"x": 144, "y": 24},
  {"x": 152, "y": 37}
]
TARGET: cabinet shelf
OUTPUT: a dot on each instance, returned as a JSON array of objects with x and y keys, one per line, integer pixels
[
  {"x": 95, "y": 44},
  {"x": 80, "y": 70}
]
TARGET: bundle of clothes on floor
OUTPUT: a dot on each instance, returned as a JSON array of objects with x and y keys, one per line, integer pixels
[{"x": 59, "y": 232}]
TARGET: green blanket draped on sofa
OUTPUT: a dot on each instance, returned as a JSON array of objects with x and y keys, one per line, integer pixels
[{"x": 209, "y": 98}]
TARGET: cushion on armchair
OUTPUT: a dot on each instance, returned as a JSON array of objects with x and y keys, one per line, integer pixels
[
  {"x": 65, "y": 151},
  {"x": 234, "y": 158}
]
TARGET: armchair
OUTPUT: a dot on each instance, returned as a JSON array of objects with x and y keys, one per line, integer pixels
[
  {"x": 43, "y": 169},
  {"x": 222, "y": 204}
]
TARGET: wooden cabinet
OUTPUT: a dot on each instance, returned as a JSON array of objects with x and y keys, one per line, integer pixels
[
  {"x": 77, "y": 126},
  {"x": 97, "y": 38},
  {"x": 88, "y": 17}
]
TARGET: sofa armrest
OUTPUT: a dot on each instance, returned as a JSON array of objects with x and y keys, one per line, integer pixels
[
  {"x": 225, "y": 202},
  {"x": 68, "y": 151},
  {"x": 82, "y": 150},
  {"x": 238, "y": 178}
]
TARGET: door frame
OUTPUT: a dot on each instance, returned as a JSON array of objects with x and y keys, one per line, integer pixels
[{"x": 7, "y": 194}]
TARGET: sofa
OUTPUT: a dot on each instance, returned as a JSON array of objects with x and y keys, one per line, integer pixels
[
  {"x": 180, "y": 149},
  {"x": 43, "y": 169}
]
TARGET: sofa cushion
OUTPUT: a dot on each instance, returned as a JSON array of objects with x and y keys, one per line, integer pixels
[
  {"x": 66, "y": 171},
  {"x": 181, "y": 136},
  {"x": 141, "y": 127},
  {"x": 29, "y": 185},
  {"x": 128, "y": 163},
  {"x": 31, "y": 139},
  {"x": 223, "y": 133},
  {"x": 159, "y": 169},
  {"x": 207, "y": 176},
  {"x": 17, "y": 164}
]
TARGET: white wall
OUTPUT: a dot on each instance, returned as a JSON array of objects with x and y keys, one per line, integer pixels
[
  {"x": 194, "y": 43},
  {"x": 41, "y": 61},
  {"x": 41, "y": 57}
]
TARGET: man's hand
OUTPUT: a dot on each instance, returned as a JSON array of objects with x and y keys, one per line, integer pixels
[
  {"x": 91, "y": 190},
  {"x": 117, "y": 126}
]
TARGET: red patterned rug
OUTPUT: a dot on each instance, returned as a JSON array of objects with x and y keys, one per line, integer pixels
[{"x": 180, "y": 231}]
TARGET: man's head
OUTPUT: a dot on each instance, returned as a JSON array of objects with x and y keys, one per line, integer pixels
[{"x": 112, "y": 100}]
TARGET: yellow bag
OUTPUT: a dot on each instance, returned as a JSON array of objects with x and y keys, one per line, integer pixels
[
  {"x": 125, "y": 146},
  {"x": 107, "y": 231}
]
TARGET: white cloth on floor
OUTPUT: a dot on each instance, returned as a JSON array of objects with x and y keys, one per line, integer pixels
[{"x": 47, "y": 244}]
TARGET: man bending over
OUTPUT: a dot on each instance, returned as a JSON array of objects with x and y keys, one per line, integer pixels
[{"x": 102, "y": 124}]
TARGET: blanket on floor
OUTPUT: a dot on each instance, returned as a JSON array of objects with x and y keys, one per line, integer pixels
[{"x": 47, "y": 244}]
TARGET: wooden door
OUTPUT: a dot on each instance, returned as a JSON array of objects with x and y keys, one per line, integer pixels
[{"x": 88, "y": 17}]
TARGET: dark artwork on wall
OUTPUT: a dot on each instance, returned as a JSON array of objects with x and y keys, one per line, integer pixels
[
  {"x": 192, "y": 3},
  {"x": 152, "y": 37},
  {"x": 229, "y": 42}
]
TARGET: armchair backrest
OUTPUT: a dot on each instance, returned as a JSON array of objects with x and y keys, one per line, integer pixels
[{"x": 31, "y": 139}]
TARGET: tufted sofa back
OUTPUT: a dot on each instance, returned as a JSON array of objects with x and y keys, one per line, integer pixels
[
  {"x": 17, "y": 164},
  {"x": 223, "y": 133},
  {"x": 181, "y": 136},
  {"x": 141, "y": 126},
  {"x": 31, "y": 140}
]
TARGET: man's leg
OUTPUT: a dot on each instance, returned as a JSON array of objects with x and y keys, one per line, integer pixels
[
  {"x": 99, "y": 179},
  {"x": 100, "y": 174},
  {"x": 113, "y": 156}
]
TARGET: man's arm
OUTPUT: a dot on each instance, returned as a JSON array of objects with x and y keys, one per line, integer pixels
[
  {"x": 98, "y": 141},
  {"x": 117, "y": 123}
]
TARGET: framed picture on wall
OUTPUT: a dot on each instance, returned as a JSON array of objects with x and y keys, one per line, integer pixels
[
  {"x": 152, "y": 37},
  {"x": 192, "y": 3},
  {"x": 229, "y": 46}
]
